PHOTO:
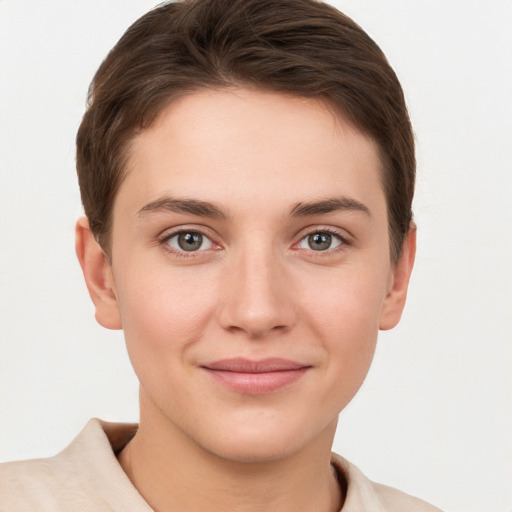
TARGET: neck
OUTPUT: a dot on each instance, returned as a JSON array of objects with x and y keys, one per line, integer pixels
[{"x": 172, "y": 472}]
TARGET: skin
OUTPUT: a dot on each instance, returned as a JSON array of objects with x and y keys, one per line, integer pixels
[{"x": 255, "y": 289}]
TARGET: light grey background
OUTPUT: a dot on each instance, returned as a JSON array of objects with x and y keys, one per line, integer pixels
[{"x": 434, "y": 417}]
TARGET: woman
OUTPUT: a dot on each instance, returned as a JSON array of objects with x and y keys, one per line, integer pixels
[{"x": 247, "y": 173}]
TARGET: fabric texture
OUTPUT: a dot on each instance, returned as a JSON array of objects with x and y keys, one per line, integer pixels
[{"x": 86, "y": 477}]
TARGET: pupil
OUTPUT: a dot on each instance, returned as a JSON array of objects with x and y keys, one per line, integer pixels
[
  {"x": 190, "y": 241},
  {"x": 319, "y": 241}
]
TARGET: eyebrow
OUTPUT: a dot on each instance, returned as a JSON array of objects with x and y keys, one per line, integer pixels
[
  {"x": 329, "y": 206},
  {"x": 191, "y": 206},
  {"x": 207, "y": 209}
]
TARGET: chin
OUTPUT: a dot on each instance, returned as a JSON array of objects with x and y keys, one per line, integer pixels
[
  {"x": 257, "y": 451},
  {"x": 270, "y": 442}
]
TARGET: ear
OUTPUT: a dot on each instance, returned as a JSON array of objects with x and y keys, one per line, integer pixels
[
  {"x": 98, "y": 276},
  {"x": 394, "y": 302}
]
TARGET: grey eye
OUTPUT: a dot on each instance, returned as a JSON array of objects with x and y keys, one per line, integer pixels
[
  {"x": 190, "y": 241},
  {"x": 320, "y": 241}
]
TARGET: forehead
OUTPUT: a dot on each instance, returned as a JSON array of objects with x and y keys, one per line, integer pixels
[{"x": 248, "y": 146}]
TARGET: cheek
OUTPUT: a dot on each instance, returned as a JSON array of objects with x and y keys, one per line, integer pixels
[
  {"x": 164, "y": 311},
  {"x": 349, "y": 302},
  {"x": 345, "y": 316}
]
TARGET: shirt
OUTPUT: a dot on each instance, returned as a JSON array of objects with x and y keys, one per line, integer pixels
[{"x": 86, "y": 477}]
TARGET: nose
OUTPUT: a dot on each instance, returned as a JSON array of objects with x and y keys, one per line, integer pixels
[{"x": 256, "y": 296}]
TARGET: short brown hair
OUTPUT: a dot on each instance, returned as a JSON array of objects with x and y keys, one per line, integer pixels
[{"x": 300, "y": 47}]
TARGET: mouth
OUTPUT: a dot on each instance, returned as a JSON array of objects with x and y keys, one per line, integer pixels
[{"x": 255, "y": 377}]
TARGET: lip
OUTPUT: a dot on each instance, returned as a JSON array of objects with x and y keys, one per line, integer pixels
[{"x": 255, "y": 377}]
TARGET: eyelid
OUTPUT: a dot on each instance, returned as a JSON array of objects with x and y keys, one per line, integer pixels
[
  {"x": 164, "y": 237},
  {"x": 205, "y": 240},
  {"x": 345, "y": 238},
  {"x": 186, "y": 228},
  {"x": 343, "y": 234},
  {"x": 333, "y": 237}
]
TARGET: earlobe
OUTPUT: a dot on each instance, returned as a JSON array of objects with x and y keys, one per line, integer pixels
[
  {"x": 98, "y": 276},
  {"x": 394, "y": 302}
]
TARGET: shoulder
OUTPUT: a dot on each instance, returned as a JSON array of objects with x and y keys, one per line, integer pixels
[
  {"x": 399, "y": 501},
  {"x": 30, "y": 485},
  {"x": 84, "y": 476},
  {"x": 363, "y": 495},
  {"x": 52, "y": 484}
]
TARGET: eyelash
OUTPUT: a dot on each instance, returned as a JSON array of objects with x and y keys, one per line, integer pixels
[
  {"x": 344, "y": 242},
  {"x": 164, "y": 242}
]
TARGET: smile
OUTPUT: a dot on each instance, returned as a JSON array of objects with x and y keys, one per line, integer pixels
[{"x": 255, "y": 377}]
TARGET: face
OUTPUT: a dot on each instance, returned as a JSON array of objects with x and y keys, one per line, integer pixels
[{"x": 251, "y": 270}]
